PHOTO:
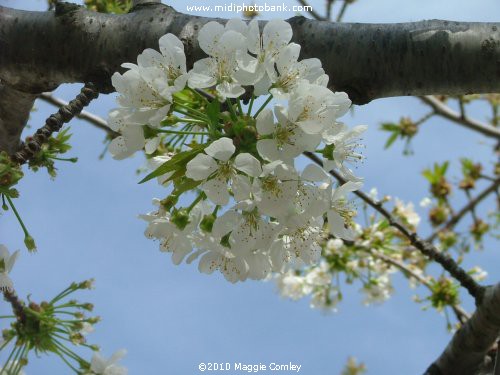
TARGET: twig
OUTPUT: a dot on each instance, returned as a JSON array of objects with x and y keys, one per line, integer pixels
[
  {"x": 468, "y": 207},
  {"x": 426, "y": 248},
  {"x": 329, "y": 5},
  {"x": 95, "y": 120},
  {"x": 17, "y": 307},
  {"x": 446, "y": 112},
  {"x": 54, "y": 123},
  {"x": 311, "y": 11},
  {"x": 460, "y": 313},
  {"x": 342, "y": 11}
]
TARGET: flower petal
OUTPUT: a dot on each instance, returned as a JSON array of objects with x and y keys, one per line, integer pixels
[{"x": 222, "y": 149}]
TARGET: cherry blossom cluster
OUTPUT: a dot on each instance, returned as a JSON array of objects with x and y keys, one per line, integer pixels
[{"x": 212, "y": 135}]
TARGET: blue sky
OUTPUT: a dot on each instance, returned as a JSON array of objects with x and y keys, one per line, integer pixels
[{"x": 170, "y": 318}]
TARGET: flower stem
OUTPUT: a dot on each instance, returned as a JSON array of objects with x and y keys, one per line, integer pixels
[
  {"x": 181, "y": 132},
  {"x": 263, "y": 106},
  {"x": 231, "y": 110},
  {"x": 27, "y": 236},
  {"x": 250, "y": 105}
]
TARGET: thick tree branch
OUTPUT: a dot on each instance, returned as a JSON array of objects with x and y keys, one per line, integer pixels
[
  {"x": 368, "y": 61},
  {"x": 443, "y": 110},
  {"x": 466, "y": 351},
  {"x": 15, "y": 107},
  {"x": 41, "y": 50}
]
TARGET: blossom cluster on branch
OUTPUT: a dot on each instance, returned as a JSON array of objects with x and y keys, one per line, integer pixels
[{"x": 253, "y": 212}]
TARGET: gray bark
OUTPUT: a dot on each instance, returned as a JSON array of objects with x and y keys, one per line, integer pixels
[
  {"x": 466, "y": 352},
  {"x": 41, "y": 50},
  {"x": 15, "y": 107}
]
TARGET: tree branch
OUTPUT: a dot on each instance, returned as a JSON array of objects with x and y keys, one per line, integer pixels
[
  {"x": 15, "y": 107},
  {"x": 41, "y": 50},
  {"x": 468, "y": 207},
  {"x": 466, "y": 351},
  {"x": 460, "y": 313},
  {"x": 91, "y": 118},
  {"x": 426, "y": 248},
  {"x": 443, "y": 110}
]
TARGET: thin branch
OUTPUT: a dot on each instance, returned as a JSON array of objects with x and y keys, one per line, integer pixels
[
  {"x": 93, "y": 119},
  {"x": 311, "y": 11},
  {"x": 54, "y": 123},
  {"x": 17, "y": 306},
  {"x": 329, "y": 6},
  {"x": 446, "y": 112},
  {"x": 342, "y": 11},
  {"x": 468, "y": 207},
  {"x": 426, "y": 248},
  {"x": 460, "y": 313}
]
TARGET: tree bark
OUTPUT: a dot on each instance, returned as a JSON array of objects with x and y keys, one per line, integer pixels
[
  {"x": 41, "y": 50},
  {"x": 466, "y": 352}
]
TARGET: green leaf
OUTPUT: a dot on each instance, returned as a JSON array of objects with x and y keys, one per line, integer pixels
[
  {"x": 391, "y": 140},
  {"x": 185, "y": 184},
  {"x": 178, "y": 161},
  {"x": 213, "y": 111},
  {"x": 389, "y": 126}
]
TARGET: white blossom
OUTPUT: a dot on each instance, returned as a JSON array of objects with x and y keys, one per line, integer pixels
[
  {"x": 102, "y": 366},
  {"x": 292, "y": 72},
  {"x": 7, "y": 261},
  {"x": 221, "y": 44},
  {"x": 260, "y": 70},
  {"x": 344, "y": 153},
  {"x": 407, "y": 212},
  {"x": 216, "y": 168}
]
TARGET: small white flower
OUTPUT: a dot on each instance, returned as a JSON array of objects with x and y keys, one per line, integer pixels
[
  {"x": 319, "y": 275},
  {"x": 260, "y": 70},
  {"x": 284, "y": 140},
  {"x": 292, "y": 72},
  {"x": 292, "y": 286},
  {"x": 478, "y": 273},
  {"x": 102, "y": 366},
  {"x": 216, "y": 168},
  {"x": 334, "y": 245},
  {"x": 339, "y": 215},
  {"x": 378, "y": 291},
  {"x": 314, "y": 107},
  {"x": 86, "y": 328},
  {"x": 222, "y": 45},
  {"x": 345, "y": 143},
  {"x": 407, "y": 212},
  {"x": 425, "y": 202},
  {"x": 7, "y": 261}
]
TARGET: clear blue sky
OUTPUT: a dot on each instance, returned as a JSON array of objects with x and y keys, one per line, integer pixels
[{"x": 170, "y": 318}]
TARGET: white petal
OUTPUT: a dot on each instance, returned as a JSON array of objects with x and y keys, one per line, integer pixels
[
  {"x": 315, "y": 173},
  {"x": 276, "y": 34},
  {"x": 200, "y": 167},
  {"x": 265, "y": 122},
  {"x": 248, "y": 164},
  {"x": 208, "y": 36},
  {"x": 216, "y": 191},
  {"x": 209, "y": 262},
  {"x": 241, "y": 188},
  {"x": 229, "y": 90},
  {"x": 222, "y": 149},
  {"x": 268, "y": 149}
]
